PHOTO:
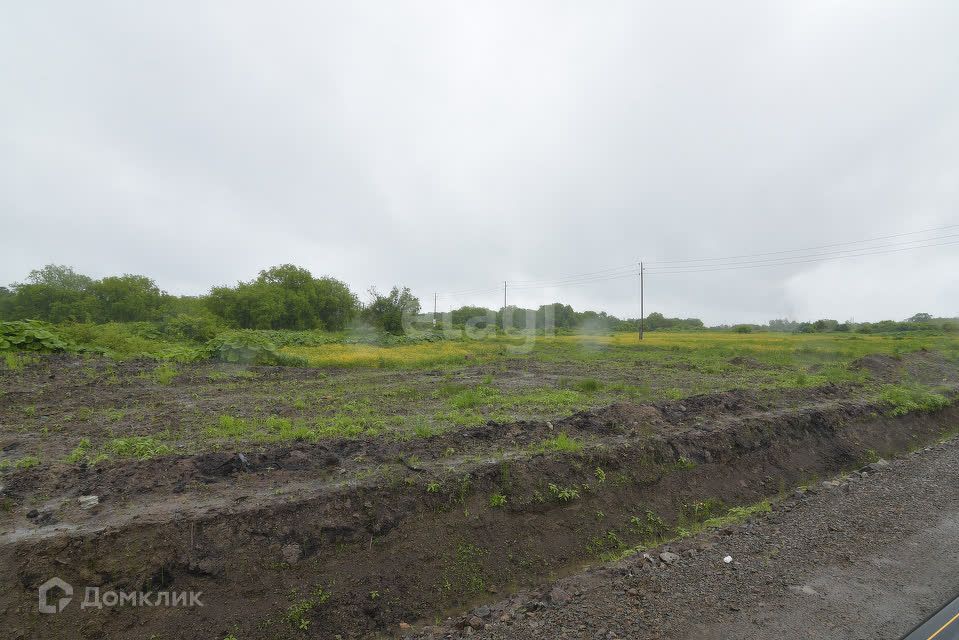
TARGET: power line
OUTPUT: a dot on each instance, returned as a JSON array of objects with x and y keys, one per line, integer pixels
[
  {"x": 788, "y": 260},
  {"x": 674, "y": 267},
  {"x": 576, "y": 275},
  {"x": 706, "y": 269},
  {"x": 892, "y": 245},
  {"x": 823, "y": 246}
]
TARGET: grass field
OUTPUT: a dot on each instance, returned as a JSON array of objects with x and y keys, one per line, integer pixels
[{"x": 140, "y": 409}]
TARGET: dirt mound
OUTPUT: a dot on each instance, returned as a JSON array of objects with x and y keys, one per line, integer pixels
[
  {"x": 880, "y": 366},
  {"x": 930, "y": 368}
]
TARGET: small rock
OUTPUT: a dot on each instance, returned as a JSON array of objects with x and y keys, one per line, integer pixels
[
  {"x": 669, "y": 557},
  {"x": 88, "y": 502},
  {"x": 803, "y": 589},
  {"x": 728, "y": 559},
  {"x": 558, "y": 596},
  {"x": 476, "y": 623},
  {"x": 878, "y": 465},
  {"x": 405, "y": 626},
  {"x": 482, "y": 612},
  {"x": 292, "y": 553}
]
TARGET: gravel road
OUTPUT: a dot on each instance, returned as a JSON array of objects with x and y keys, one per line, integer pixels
[{"x": 869, "y": 556}]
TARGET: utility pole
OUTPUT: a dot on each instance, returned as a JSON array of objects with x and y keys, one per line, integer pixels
[
  {"x": 642, "y": 312},
  {"x": 504, "y": 306}
]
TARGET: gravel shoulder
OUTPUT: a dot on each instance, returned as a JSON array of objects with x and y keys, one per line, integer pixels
[{"x": 869, "y": 558}]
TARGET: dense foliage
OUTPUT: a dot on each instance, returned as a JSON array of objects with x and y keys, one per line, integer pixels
[
  {"x": 58, "y": 294},
  {"x": 30, "y": 335},
  {"x": 285, "y": 297},
  {"x": 389, "y": 312},
  {"x": 249, "y": 347}
]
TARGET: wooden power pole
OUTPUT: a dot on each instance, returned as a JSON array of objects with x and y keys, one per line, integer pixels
[
  {"x": 504, "y": 306},
  {"x": 642, "y": 312}
]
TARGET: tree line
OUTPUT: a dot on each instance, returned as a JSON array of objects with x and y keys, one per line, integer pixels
[
  {"x": 281, "y": 297},
  {"x": 290, "y": 297}
]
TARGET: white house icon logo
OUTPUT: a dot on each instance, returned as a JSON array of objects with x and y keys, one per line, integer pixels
[{"x": 54, "y": 583}]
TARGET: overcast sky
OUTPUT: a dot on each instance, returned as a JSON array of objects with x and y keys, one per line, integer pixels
[{"x": 453, "y": 145}]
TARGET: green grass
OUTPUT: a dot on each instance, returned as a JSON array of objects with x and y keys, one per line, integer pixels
[
  {"x": 165, "y": 373},
  {"x": 139, "y": 447},
  {"x": 588, "y": 385},
  {"x": 561, "y": 444},
  {"x": 26, "y": 462},
  {"x": 84, "y": 452},
  {"x": 737, "y": 515},
  {"x": 911, "y": 399}
]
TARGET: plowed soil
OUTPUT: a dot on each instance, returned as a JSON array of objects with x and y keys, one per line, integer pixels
[{"x": 372, "y": 536}]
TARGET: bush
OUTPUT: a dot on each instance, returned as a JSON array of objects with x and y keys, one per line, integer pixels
[
  {"x": 31, "y": 335},
  {"x": 249, "y": 347},
  {"x": 118, "y": 340},
  {"x": 190, "y": 327}
]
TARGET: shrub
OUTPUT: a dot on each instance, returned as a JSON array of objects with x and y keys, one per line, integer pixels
[
  {"x": 189, "y": 327},
  {"x": 30, "y": 335},
  {"x": 249, "y": 347}
]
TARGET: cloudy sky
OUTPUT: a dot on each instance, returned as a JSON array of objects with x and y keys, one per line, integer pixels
[{"x": 450, "y": 146}]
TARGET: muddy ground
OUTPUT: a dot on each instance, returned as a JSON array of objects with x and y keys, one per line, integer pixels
[{"x": 371, "y": 536}]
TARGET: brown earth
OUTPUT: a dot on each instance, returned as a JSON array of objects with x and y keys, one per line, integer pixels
[
  {"x": 870, "y": 555},
  {"x": 403, "y": 531}
]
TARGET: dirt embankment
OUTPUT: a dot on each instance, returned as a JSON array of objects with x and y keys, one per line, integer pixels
[
  {"x": 355, "y": 537},
  {"x": 868, "y": 555}
]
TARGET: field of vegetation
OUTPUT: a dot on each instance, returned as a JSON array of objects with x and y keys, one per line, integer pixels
[
  {"x": 355, "y": 472},
  {"x": 216, "y": 395}
]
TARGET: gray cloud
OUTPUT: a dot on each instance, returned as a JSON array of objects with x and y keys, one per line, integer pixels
[{"x": 450, "y": 146}]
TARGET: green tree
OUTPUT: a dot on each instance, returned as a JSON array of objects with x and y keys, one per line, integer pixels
[
  {"x": 285, "y": 297},
  {"x": 387, "y": 312},
  {"x": 60, "y": 276},
  {"x": 127, "y": 298},
  {"x": 54, "y": 293}
]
